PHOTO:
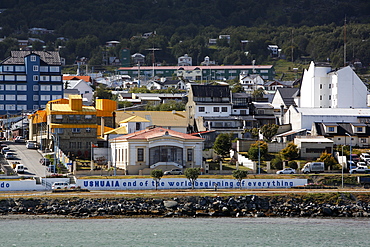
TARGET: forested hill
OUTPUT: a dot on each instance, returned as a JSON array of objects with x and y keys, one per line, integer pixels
[
  {"x": 117, "y": 19},
  {"x": 301, "y": 28}
]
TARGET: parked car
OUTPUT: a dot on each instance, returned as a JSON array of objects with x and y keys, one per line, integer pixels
[
  {"x": 360, "y": 169},
  {"x": 45, "y": 161},
  {"x": 62, "y": 185},
  {"x": 10, "y": 156},
  {"x": 365, "y": 157},
  {"x": 173, "y": 172},
  {"x": 4, "y": 150},
  {"x": 31, "y": 145},
  {"x": 19, "y": 168},
  {"x": 286, "y": 171},
  {"x": 19, "y": 139}
]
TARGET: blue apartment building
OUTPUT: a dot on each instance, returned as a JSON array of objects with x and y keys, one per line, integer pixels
[{"x": 28, "y": 80}]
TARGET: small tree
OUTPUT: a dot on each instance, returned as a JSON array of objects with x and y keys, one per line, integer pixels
[
  {"x": 290, "y": 152},
  {"x": 222, "y": 144},
  {"x": 156, "y": 174},
  {"x": 192, "y": 174},
  {"x": 253, "y": 150},
  {"x": 240, "y": 175},
  {"x": 328, "y": 160},
  {"x": 268, "y": 131}
]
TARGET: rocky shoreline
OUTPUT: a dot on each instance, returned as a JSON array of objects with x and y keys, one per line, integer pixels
[{"x": 333, "y": 205}]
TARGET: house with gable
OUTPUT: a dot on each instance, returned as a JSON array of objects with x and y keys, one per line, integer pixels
[
  {"x": 141, "y": 152},
  {"x": 343, "y": 133},
  {"x": 83, "y": 87}
]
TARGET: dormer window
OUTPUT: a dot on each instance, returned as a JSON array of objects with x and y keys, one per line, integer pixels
[
  {"x": 330, "y": 129},
  {"x": 33, "y": 58},
  {"x": 359, "y": 129}
]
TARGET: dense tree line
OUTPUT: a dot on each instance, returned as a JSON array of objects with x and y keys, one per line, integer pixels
[{"x": 302, "y": 28}]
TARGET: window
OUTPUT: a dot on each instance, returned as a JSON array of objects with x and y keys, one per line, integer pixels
[
  {"x": 329, "y": 97},
  {"x": 224, "y": 109},
  {"x": 10, "y": 97},
  {"x": 43, "y": 69},
  {"x": 22, "y": 87},
  {"x": 45, "y": 88},
  {"x": 216, "y": 109},
  {"x": 359, "y": 129},
  {"x": 1, "y": 87},
  {"x": 9, "y": 77},
  {"x": 202, "y": 109},
  {"x": 329, "y": 85},
  {"x": 58, "y": 116},
  {"x": 1, "y": 96},
  {"x": 35, "y": 68},
  {"x": 140, "y": 154},
  {"x": 88, "y": 130},
  {"x": 33, "y": 58},
  {"x": 8, "y": 68},
  {"x": 44, "y": 78},
  {"x": 79, "y": 144},
  {"x": 1, "y": 107},
  {"x": 22, "y": 97},
  {"x": 35, "y": 98},
  {"x": 35, "y": 87},
  {"x": 320, "y": 86},
  {"x": 21, "y": 107},
  {"x": 45, "y": 97},
  {"x": 56, "y": 78},
  {"x": 35, "y": 78},
  {"x": 320, "y": 97},
  {"x": 56, "y": 87},
  {"x": 72, "y": 145},
  {"x": 21, "y": 78},
  {"x": 59, "y": 130},
  {"x": 10, "y": 87},
  {"x": 330, "y": 129},
  {"x": 88, "y": 117},
  {"x": 20, "y": 68},
  {"x": 54, "y": 69},
  {"x": 35, "y": 107},
  {"x": 76, "y": 130},
  {"x": 363, "y": 140},
  {"x": 54, "y": 97},
  {"x": 10, "y": 107},
  {"x": 138, "y": 126},
  {"x": 190, "y": 155}
]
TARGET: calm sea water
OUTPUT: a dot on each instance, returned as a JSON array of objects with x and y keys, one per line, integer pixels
[{"x": 185, "y": 232}]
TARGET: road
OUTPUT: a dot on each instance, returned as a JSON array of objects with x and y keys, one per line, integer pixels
[{"x": 29, "y": 158}]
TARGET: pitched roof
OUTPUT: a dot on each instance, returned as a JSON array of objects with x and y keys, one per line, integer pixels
[
  {"x": 49, "y": 57},
  {"x": 288, "y": 94},
  {"x": 157, "y": 132},
  {"x": 119, "y": 131},
  {"x": 134, "y": 119},
  {"x": 210, "y": 91},
  {"x": 158, "y": 118},
  {"x": 76, "y": 77}
]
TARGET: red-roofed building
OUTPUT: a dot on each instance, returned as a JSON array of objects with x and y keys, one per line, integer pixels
[{"x": 156, "y": 148}]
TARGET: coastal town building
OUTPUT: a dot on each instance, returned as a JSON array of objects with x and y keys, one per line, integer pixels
[
  {"x": 28, "y": 80},
  {"x": 141, "y": 152}
]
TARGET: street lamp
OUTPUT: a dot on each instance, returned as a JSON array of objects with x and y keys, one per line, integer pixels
[
  {"x": 342, "y": 167},
  {"x": 350, "y": 149}
]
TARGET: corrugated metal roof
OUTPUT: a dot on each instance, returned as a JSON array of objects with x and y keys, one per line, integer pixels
[
  {"x": 49, "y": 57},
  {"x": 158, "y": 118}
]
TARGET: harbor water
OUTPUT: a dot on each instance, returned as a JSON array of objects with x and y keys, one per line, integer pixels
[{"x": 25, "y": 231}]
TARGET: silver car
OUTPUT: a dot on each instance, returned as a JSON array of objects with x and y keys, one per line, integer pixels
[
  {"x": 173, "y": 172},
  {"x": 286, "y": 171}
]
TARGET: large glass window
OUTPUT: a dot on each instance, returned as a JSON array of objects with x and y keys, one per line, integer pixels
[{"x": 166, "y": 154}]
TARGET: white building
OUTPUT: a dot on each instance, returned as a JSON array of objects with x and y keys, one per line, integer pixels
[
  {"x": 323, "y": 87},
  {"x": 185, "y": 61},
  {"x": 156, "y": 148},
  {"x": 302, "y": 118},
  {"x": 84, "y": 89}
]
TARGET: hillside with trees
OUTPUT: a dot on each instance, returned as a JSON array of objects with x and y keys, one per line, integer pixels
[{"x": 304, "y": 30}]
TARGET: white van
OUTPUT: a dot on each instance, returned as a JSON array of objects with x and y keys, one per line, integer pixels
[
  {"x": 31, "y": 144},
  {"x": 19, "y": 168}
]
